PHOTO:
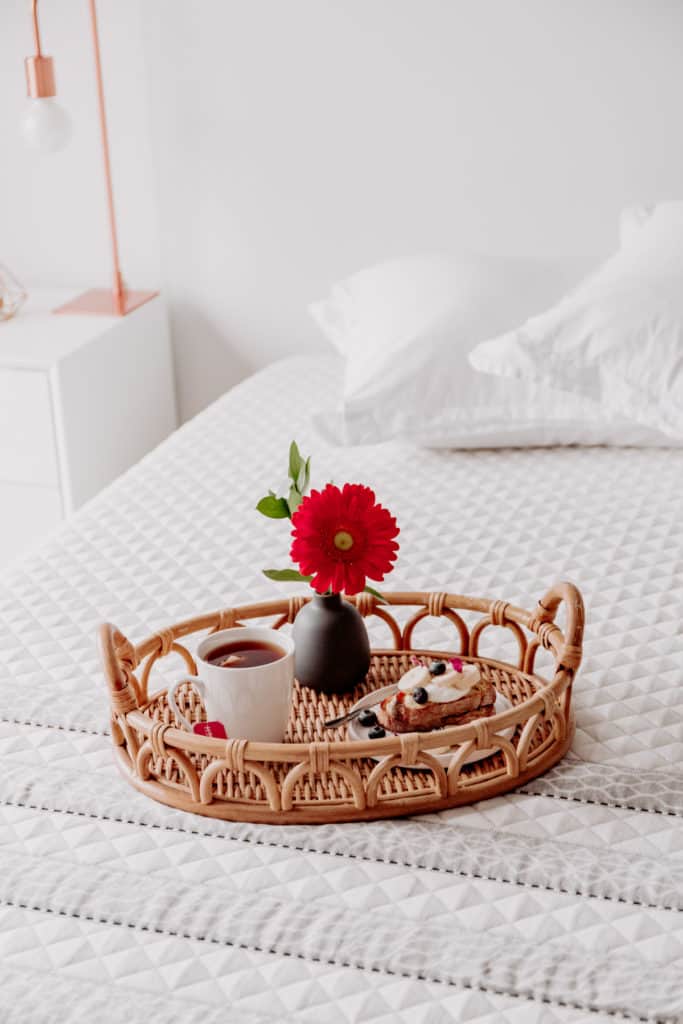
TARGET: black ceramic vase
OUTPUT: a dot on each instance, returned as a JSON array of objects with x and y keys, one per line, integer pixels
[{"x": 332, "y": 648}]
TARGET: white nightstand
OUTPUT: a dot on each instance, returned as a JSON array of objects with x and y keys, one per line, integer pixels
[{"x": 81, "y": 399}]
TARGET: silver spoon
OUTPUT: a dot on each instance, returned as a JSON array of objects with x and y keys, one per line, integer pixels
[{"x": 333, "y": 723}]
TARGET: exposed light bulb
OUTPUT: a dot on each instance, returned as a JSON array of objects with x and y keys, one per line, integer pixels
[{"x": 45, "y": 125}]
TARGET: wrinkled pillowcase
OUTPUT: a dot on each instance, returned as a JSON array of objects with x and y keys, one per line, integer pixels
[
  {"x": 617, "y": 338},
  {"x": 406, "y": 328}
]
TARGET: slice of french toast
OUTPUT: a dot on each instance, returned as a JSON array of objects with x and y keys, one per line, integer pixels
[{"x": 397, "y": 715}]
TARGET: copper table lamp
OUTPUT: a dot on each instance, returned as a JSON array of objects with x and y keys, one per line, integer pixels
[{"x": 47, "y": 126}]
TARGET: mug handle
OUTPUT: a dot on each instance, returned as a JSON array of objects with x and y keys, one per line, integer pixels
[{"x": 170, "y": 697}]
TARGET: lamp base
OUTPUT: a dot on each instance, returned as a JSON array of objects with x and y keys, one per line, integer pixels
[{"x": 101, "y": 302}]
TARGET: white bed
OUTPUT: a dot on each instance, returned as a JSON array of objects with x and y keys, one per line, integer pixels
[{"x": 561, "y": 903}]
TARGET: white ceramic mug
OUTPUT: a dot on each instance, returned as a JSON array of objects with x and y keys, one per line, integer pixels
[{"x": 251, "y": 703}]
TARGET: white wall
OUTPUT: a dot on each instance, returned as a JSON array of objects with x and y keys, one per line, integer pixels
[
  {"x": 293, "y": 141},
  {"x": 53, "y": 227}
]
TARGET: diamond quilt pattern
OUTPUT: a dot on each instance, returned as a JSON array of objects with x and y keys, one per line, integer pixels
[
  {"x": 553, "y": 900},
  {"x": 178, "y": 533},
  {"x": 89, "y": 971},
  {"x": 539, "y": 860},
  {"x": 365, "y": 884}
]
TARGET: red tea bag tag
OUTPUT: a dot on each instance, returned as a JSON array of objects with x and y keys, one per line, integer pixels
[{"x": 215, "y": 730}]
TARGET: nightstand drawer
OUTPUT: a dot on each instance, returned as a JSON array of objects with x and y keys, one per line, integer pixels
[
  {"x": 27, "y": 447},
  {"x": 28, "y": 512}
]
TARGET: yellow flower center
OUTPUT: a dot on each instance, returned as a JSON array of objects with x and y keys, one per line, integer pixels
[{"x": 343, "y": 540}]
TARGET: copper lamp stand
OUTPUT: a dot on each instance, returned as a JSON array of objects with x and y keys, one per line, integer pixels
[{"x": 118, "y": 300}]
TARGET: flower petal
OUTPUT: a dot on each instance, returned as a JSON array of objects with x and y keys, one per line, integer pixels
[{"x": 321, "y": 516}]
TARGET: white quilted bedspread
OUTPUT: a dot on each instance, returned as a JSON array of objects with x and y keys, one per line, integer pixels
[{"x": 559, "y": 903}]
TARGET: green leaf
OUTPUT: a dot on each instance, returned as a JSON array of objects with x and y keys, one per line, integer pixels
[
  {"x": 295, "y": 462},
  {"x": 284, "y": 575},
  {"x": 294, "y": 500},
  {"x": 375, "y": 593},
  {"x": 274, "y": 508},
  {"x": 304, "y": 476}
]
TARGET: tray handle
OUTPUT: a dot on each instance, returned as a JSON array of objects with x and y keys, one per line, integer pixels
[
  {"x": 568, "y": 649},
  {"x": 118, "y": 661}
]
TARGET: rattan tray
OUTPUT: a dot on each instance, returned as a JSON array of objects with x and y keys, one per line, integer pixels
[{"x": 317, "y": 776}]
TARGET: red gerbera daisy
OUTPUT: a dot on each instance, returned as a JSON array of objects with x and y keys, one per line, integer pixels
[{"x": 342, "y": 537}]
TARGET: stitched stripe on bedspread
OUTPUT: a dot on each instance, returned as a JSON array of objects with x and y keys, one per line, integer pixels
[
  {"x": 653, "y": 790},
  {"x": 422, "y": 843},
  {"x": 556, "y": 972}
]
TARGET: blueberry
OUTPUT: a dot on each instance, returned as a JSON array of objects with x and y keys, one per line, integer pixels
[
  {"x": 437, "y": 668},
  {"x": 376, "y": 733},
  {"x": 420, "y": 695},
  {"x": 367, "y": 717}
]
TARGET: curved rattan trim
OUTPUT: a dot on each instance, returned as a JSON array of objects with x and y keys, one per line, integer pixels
[
  {"x": 293, "y": 752},
  {"x": 328, "y": 771}
]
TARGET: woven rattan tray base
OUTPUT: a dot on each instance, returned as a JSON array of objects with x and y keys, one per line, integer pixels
[{"x": 318, "y": 776}]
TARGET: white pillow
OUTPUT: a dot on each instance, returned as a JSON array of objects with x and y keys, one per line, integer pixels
[
  {"x": 618, "y": 337},
  {"x": 406, "y": 328}
]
